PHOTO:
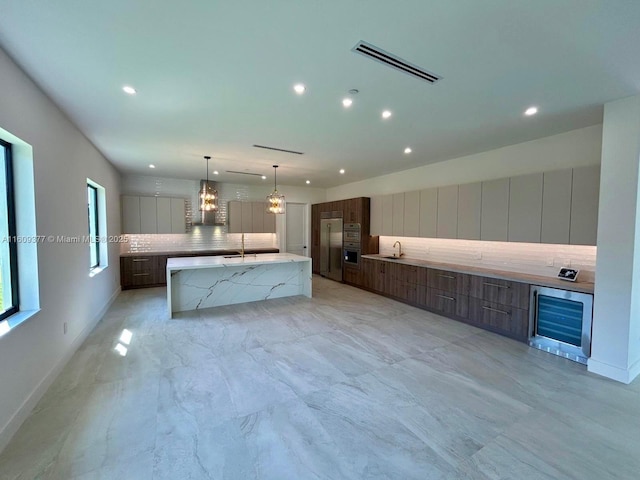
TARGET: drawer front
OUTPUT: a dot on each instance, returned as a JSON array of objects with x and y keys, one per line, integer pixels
[
  {"x": 407, "y": 292},
  {"x": 506, "y": 319},
  {"x": 504, "y": 292},
  {"x": 446, "y": 302},
  {"x": 141, "y": 271},
  {"x": 448, "y": 281},
  {"x": 140, "y": 264},
  {"x": 407, "y": 274}
]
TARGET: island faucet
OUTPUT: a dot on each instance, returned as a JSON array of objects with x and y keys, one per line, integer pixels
[{"x": 399, "y": 248}]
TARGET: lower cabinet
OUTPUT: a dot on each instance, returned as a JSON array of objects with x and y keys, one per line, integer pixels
[
  {"x": 497, "y": 305},
  {"x": 143, "y": 271},
  {"x": 505, "y": 319}
]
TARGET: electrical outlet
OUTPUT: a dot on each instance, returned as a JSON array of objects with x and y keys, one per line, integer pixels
[{"x": 64, "y": 328}]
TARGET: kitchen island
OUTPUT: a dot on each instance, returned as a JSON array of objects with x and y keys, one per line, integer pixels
[{"x": 203, "y": 282}]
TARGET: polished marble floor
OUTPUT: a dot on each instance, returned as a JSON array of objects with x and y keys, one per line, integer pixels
[{"x": 346, "y": 385}]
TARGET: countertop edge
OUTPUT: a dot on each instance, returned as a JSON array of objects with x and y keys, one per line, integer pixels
[
  {"x": 582, "y": 287},
  {"x": 217, "y": 262}
]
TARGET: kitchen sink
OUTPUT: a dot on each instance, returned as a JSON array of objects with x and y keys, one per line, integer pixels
[
  {"x": 240, "y": 256},
  {"x": 392, "y": 257}
]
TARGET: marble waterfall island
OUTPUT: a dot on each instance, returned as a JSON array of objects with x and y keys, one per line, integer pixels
[{"x": 203, "y": 282}]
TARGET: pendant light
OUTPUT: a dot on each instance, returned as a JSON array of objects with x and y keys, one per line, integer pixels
[
  {"x": 208, "y": 195},
  {"x": 275, "y": 200}
]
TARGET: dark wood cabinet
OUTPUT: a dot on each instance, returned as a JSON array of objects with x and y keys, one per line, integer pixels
[
  {"x": 500, "y": 306},
  {"x": 505, "y": 319},
  {"x": 504, "y": 292},
  {"x": 142, "y": 271},
  {"x": 353, "y": 210}
]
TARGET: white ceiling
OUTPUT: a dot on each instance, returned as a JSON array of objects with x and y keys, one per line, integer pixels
[{"x": 214, "y": 78}]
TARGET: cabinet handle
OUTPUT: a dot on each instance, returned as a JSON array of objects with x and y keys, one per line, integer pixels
[
  {"x": 446, "y": 298},
  {"x": 140, "y": 259},
  {"x": 495, "y": 285},
  {"x": 141, "y": 274},
  {"x": 496, "y": 310},
  {"x": 447, "y": 276}
]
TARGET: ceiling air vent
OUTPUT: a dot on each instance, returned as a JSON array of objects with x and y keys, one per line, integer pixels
[
  {"x": 279, "y": 149},
  {"x": 393, "y": 61}
]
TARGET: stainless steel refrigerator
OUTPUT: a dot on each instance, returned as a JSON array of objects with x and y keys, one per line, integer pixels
[{"x": 331, "y": 248}]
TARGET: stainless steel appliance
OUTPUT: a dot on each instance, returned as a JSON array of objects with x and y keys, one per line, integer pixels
[
  {"x": 351, "y": 244},
  {"x": 560, "y": 322},
  {"x": 331, "y": 248}
]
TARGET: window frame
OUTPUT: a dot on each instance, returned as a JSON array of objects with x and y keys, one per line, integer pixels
[
  {"x": 94, "y": 241},
  {"x": 11, "y": 223}
]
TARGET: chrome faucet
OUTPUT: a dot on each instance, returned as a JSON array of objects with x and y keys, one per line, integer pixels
[
  {"x": 242, "y": 251},
  {"x": 399, "y": 248}
]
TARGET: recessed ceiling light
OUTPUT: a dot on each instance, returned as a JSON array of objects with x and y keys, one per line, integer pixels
[
  {"x": 215, "y": 172},
  {"x": 407, "y": 150},
  {"x": 129, "y": 90},
  {"x": 531, "y": 111},
  {"x": 347, "y": 102},
  {"x": 386, "y": 114},
  {"x": 342, "y": 171},
  {"x": 308, "y": 182},
  {"x": 151, "y": 165},
  {"x": 264, "y": 177},
  {"x": 299, "y": 88}
]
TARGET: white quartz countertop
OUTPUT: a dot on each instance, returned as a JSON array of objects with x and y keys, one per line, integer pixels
[{"x": 182, "y": 263}]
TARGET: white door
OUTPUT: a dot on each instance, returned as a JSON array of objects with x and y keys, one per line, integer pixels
[{"x": 296, "y": 220}]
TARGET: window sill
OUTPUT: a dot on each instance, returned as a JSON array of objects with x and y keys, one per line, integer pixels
[
  {"x": 14, "y": 320},
  {"x": 96, "y": 270}
]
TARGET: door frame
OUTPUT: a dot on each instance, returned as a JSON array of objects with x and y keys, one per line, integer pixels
[{"x": 282, "y": 240}]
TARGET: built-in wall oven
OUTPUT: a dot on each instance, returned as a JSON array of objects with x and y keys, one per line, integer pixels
[
  {"x": 351, "y": 244},
  {"x": 560, "y": 322}
]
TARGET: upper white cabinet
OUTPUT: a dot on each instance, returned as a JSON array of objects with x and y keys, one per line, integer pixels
[
  {"x": 130, "y": 214},
  {"x": 494, "y": 221},
  {"x": 447, "y": 226},
  {"x": 250, "y": 217},
  {"x": 163, "y": 214},
  {"x": 387, "y": 215},
  {"x": 376, "y": 215},
  {"x": 469, "y": 205},
  {"x": 397, "y": 223},
  {"x": 178, "y": 216},
  {"x": 428, "y": 212},
  {"x": 412, "y": 214},
  {"x": 141, "y": 214},
  {"x": 585, "y": 193},
  {"x": 525, "y": 208},
  {"x": 556, "y": 206}
]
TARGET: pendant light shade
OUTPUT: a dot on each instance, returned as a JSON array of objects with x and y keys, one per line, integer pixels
[
  {"x": 275, "y": 200},
  {"x": 208, "y": 194}
]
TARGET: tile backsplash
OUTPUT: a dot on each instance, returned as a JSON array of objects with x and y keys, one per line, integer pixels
[
  {"x": 200, "y": 238},
  {"x": 533, "y": 258}
]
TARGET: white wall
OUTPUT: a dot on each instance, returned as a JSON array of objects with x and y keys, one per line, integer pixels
[
  {"x": 571, "y": 149},
  {"x": 615, "y": 349},
  {"x": 33, "y": 353}
]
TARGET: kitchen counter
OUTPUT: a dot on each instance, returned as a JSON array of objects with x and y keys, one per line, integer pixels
[
  {"x": 583, "y": 287},
  {"x": 195, "y": 253},
  {"x": 203, "y": 282}
]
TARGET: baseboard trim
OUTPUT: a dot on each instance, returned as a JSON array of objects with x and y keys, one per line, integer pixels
[
  {"x": 23, "y": 412},
  {"x": 615, "y": 373}
]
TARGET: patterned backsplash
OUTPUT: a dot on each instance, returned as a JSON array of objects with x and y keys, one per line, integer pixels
[
  {"x": 533, "y": 258},
  {"x": 200, "y": 238}
]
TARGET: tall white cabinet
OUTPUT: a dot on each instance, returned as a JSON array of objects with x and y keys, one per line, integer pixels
[{"x": 525, "y": 208}]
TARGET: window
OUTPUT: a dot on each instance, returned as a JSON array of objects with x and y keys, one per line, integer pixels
[
  {"x": 97, "y": 223},
  {"x": 8, "y": 239},
  {"x": 94, "y": 230}
]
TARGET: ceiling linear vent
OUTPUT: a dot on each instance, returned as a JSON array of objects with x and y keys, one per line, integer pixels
[
  {"x": 393, "y": 61},
  {"x": 245, "y": 173},
  {"x": 279, "y": 149}
]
